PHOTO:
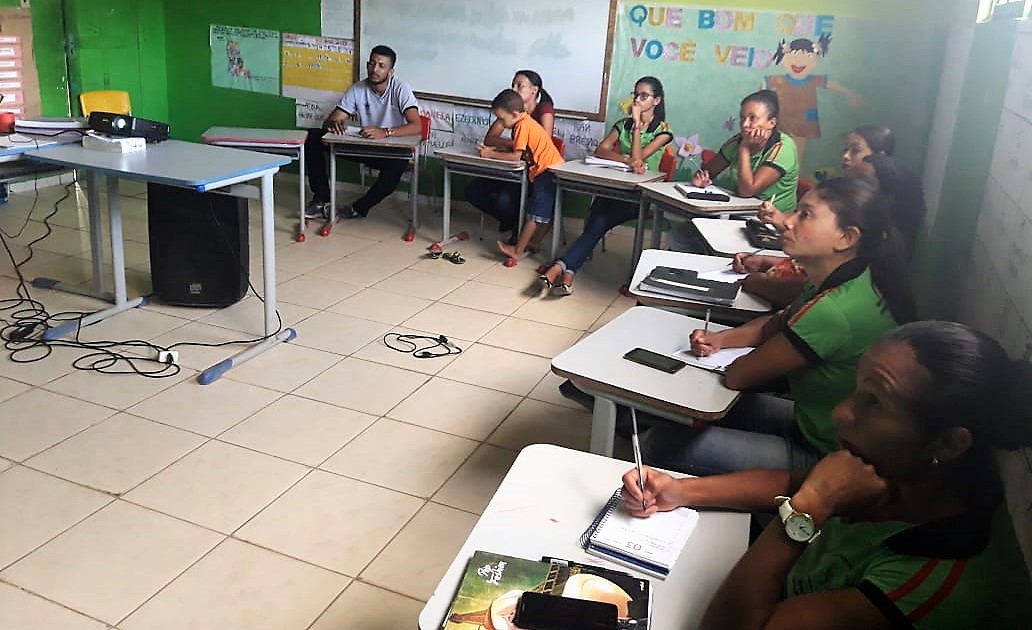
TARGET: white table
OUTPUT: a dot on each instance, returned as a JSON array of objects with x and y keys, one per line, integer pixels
[
  {"x": 662, "y": 197},
  {"x": 726, "y": 237},
  {"x": 746, "y": 306},
  {"x": 598, "y": 181},
  {"x": 469, "y": 162},
  {"x": 550, "y": 495},
  {"x": 15, "y": 166},
  {"x": 279, "y": 141},
  {"x": 200, "y": 167},
  {"x": 393, "y": 147},
  {"x": 596, "y": 366}
]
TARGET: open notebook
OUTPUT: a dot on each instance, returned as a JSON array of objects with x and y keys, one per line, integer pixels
[
  {"x": 650, "y": 545},
  {"x": 717, "y": 362},
  {"x": 591, "y": 160}
]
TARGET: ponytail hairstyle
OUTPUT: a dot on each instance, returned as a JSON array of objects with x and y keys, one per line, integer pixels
[
  {"x": 971, "y": 383},
  {"x": 535, "y": 80},
  {"x": 769, "y": 99},
  {"x": 879, "y": 139},
  {"x": 858, "y": 204},
  {"x": 906, "y": 194}
]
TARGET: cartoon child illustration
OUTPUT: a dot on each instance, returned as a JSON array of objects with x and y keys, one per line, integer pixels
[
  {"x": 236, "y": 60},
  {"x": 797, "y": 90}
]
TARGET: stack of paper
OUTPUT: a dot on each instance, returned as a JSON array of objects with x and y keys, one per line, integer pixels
[{"x": 591, "y": 160}]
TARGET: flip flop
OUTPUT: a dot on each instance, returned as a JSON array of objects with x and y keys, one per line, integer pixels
[
  {"x": 454, "y": 258},
  {"x": 545, "y": 283},
  {"x": 562, "y": 290},
  {"x": 434, "y": 254}
]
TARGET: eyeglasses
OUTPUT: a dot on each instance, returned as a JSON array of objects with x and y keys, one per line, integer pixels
[{"x": 641, "y": 96}]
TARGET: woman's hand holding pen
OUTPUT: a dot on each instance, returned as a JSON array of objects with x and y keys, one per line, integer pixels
[
  {"x": 701, "y": 178},
  {"x": 768, "y": 213},
  {"x": 704, "y": 343},
  {"x": 661, "y": 492},
  {"x": 749, "y": 262}
]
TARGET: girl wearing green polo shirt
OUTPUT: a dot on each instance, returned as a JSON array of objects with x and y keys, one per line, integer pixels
[
  {"x": 857, "y": 289},
  {"x": 904, "y": 526},
  {"x": 638, "y": 142},
  {"x": 760, "y": 161}
]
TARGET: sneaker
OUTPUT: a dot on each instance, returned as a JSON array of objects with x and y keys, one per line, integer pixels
[
  {"x": 349, "y": 212},
  {"x": 317, "y": 210}
]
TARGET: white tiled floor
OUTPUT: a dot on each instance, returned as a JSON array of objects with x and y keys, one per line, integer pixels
[{"x": 302, "y": 489}]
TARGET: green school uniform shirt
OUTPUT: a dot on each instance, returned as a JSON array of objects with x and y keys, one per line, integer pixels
[
  {"x": 832, "y": 326},
  {"x": 779, "y": 154},
  {"x": 962, "y": 572},
  {"x": 625, "y": 129}
]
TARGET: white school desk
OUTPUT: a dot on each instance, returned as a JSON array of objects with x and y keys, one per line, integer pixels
[
  {"x": 726, "y": 237},
  {"x": 200, "y": 167},
  {"x": 354, "y": 146},
  {"x": 662, "y": 197},
  {"x": 599, "y": 181},
  {"x": 279, "y": 141},
  {"x": 469, "y": 162},
  {"x": 15, "y": 166},
  {"x": 596, "y": 366},
  {"x": 549, "y": 497},
  {"x": 744, "y": 308}
]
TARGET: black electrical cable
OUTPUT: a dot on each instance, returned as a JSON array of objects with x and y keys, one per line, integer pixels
[{"x": 421, "y": 351}]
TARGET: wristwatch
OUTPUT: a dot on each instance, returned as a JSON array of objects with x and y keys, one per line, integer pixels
[{"x": 799, "y": 526}]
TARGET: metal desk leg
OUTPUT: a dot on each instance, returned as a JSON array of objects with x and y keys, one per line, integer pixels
[
  {"x": 301, "y": 193},
  {"x": 446, "y": 212},
  {"x": 657, "y": 226},
  {"x": 639, "y": 233},
  {"x": 603, "y": 426},
  {"x": 117, "y": 263},
  {"x": 410, "y": 234},
  {"x": 557, "y": 222},
  {"x": 333, "y": 183},
  {"x": 524, "y": 185},
  {"x": 269, "y": 273}
]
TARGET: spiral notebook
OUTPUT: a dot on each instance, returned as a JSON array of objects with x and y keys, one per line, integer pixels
[{"x": 650, "y": 545}]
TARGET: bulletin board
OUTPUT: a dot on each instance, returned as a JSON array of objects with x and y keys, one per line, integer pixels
[{"x": 19, "y": 82}]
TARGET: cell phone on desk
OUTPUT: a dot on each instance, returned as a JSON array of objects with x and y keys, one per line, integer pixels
[
  {"x": 655, "y": 360},
  {"x": 536, "y": 611}
]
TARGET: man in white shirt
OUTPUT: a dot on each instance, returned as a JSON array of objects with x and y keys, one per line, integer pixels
[{"x": 385, "y": 106}]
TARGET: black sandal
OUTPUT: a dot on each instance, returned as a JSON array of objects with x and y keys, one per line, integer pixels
[{"x": 545, "y": 283}]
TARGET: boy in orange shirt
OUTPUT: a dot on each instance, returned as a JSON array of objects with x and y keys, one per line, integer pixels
[{"x": 531, "y": 144}]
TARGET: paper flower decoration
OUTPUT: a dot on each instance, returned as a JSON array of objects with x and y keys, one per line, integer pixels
[{"x": 688, "y": 147}]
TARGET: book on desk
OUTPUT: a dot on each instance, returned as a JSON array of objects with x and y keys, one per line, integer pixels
[
  {"x": 591, "y": 160},
  {"x": 493, "y": 583},
  {"x": 686, "y": 283}
]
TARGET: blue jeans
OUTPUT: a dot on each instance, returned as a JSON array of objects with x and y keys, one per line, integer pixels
[
  {"x": 541, "y": 200},
  {"x": 759, "y": 432},
  {"x": 497, "y": 199},
  {"x": 604, "y": 215}
]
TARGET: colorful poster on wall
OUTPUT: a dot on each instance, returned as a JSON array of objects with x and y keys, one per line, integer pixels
[
  {"x": 245, "y": 58},
  {"x": 19, "y": 83},
  {"x": 831, "y": 73},
  {"x": 316, "y": 72}
]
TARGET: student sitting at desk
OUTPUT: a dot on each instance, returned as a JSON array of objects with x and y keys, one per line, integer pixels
[
  {"x": 780, "y": 280},
  {"x": 760, "y": 161},
  {"x": 638, "y": 142},
  {"x": 531, "y": 144},
  {"x": 501, "y": 199},
  {"x": 858, "y": 288},
  {"x": 904, "y": 526},
  {"x": 386, "y": 107}
]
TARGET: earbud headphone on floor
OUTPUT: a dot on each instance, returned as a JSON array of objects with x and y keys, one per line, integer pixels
[{"x": 413, "y": 345}]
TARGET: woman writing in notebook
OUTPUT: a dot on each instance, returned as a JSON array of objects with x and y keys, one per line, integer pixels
[
  {"x": 857, "y": 289},
  {"x": 867, "y": 154},
  {"x": 760, "y": 161},
  {"x": 904, "y": 526},
  {"x": 501, "y": 199},
  {"x": 636, "y": 141}
]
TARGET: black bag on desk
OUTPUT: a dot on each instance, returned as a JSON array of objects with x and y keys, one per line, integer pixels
[
  {"x": 761, "y": 236},
  {"x": 198, "y": 246}
]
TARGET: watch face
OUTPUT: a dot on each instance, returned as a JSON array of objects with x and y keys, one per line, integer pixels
[{"x": 800, "y": 527}]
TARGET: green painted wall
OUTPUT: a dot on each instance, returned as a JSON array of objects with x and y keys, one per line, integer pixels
[
  {"x": 48, "y": 49},
  {"x": 943, "y": 255}
]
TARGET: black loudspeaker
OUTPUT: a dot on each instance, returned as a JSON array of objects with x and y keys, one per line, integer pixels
[{"x": 198, "y": 246}]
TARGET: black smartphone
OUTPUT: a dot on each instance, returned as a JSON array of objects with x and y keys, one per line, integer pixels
[
  {"x": 655, "y": 360},
  {"x": 536, "y": 611}
]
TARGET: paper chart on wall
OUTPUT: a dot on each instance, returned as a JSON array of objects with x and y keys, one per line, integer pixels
[
  {"x": 245, "y": 58},
  {"x": 19, "y": 82},
  {"x": 316, "y": 72},
  {"x": 338, "y": 18}
]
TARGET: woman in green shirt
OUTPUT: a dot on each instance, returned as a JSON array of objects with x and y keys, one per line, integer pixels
[
  {"x": 904, "y": 525},
  {"x": 636, "y": 141}
]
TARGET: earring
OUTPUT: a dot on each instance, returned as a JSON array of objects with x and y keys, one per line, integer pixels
[{"x": 935, "y": 461}]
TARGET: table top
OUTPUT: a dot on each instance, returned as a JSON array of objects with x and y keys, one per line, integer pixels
[
  {"x": 249, "y": 135},
  {"x": 726, "y": 237},
  {"x": 471, "y": 157},
  {"x": 394, "y": 142},
  {"x": 652, "y": 258},
  {"x": 549, "y": 497},
  {"x": 597, "y": 360},
  {"x": 18, "y": 143},
  {"x": 173, "y": 162},
  {"x": 577, "y": 170},
  {"x": 667, "y": 194}
]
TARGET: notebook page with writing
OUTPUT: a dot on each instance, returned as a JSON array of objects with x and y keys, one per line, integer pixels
[
  {"x": 657, "y": 540},
  {"x": 719, "y": 361}
]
